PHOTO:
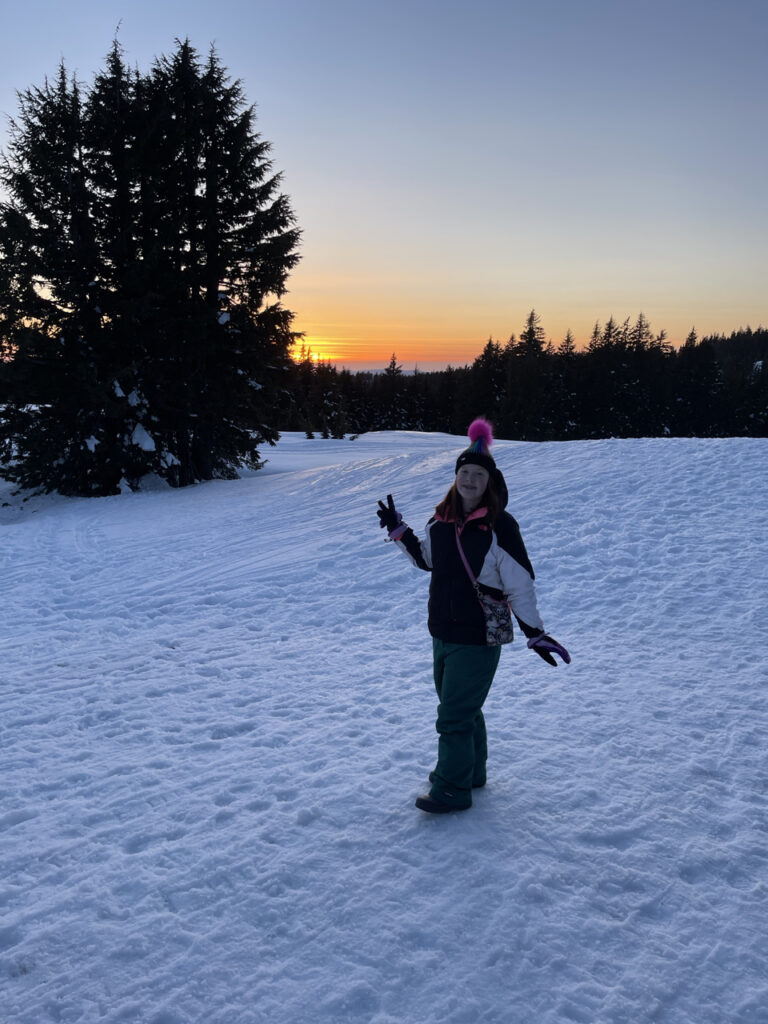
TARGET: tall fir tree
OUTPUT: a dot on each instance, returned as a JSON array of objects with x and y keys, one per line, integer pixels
[
  {"x": 486, "y": 385},
  {"x": 533, "y": 338},
  {"x": 145, "y": 248},
  {"x": 527, "y": 409},
  {"x": 47, "y": 315},
  {"x": 390, "y": 395}
]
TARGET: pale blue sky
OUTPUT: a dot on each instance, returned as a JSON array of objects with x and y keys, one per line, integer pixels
[{"x": 454, "y": 164}]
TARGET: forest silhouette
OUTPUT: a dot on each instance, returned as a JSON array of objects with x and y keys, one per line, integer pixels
[{"x": 627, "y": 382}]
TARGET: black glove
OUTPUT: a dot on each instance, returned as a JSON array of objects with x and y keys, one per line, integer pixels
[
  {"x": 388, "y": 515},
  {"x": 545, "y": 647}
]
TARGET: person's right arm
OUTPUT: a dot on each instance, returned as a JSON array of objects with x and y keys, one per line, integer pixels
[{"x": 417, "y": 551}]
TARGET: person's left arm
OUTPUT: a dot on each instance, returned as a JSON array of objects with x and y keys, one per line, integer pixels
[
  {"x": 516, "y": 575},
  {"x": 517, "y": 578}
]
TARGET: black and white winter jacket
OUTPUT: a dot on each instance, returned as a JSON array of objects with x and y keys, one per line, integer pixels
[{"x": 499, "y": 562}]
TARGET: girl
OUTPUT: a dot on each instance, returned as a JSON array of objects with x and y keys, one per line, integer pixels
[{"x": 471, "y": 542}]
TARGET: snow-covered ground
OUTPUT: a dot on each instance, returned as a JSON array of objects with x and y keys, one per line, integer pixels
[{"x": 217, "y": 711}]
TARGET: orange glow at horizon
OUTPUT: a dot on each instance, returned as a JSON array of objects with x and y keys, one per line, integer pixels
[
  {"x": 358, "y": 344},
  {"x": 362, "y": 333},
  {"x": 353, "y": 328},
  {"x": 372, "y": 352}
]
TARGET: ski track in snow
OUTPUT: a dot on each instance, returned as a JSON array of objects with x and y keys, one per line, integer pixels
[{"x": 217, "y": 711}]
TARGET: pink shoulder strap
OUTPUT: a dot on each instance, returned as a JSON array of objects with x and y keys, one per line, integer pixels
[{"x": 464, "y": 558}]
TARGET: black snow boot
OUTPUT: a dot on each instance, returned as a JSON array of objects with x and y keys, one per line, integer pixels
[{"x": 432, "y": 806}]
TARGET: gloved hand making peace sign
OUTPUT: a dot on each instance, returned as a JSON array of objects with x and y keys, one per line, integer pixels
[{"x": 391, "y": 519}]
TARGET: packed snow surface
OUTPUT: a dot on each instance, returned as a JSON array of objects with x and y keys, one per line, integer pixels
[{"x": 217, "y": 711}]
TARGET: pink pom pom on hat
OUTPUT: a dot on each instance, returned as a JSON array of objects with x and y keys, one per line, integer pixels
[
  {"x": 479, "y": 451},
  {"x": 481, "y": 432}
]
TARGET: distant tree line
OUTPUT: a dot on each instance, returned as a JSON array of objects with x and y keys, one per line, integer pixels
[{"x": 627, "y": 382}]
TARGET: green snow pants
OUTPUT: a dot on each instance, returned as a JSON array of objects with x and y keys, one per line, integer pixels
[{"x": 463, "y": 677}]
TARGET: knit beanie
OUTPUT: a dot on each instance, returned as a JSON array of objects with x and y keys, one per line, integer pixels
[{"x": 479, "y": 454}]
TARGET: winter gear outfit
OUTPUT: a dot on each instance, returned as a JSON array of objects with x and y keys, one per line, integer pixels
[
  {"x": 464, "y": 664},
  {"x": 499, "y": 562}
]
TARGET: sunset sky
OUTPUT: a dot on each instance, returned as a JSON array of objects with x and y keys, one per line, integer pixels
[{"x": 455, "y": 163}]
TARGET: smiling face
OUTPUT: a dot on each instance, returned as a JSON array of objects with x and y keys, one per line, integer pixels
[{"x": 471, "y": 482}]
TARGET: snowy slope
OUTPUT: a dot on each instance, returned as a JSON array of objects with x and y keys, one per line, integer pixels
[{"x": 217, "y": 712}]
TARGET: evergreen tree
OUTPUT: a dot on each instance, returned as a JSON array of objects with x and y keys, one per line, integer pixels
[
  {"x": 487, "y": 385},
  {"x": 533, "y": 338},
  {"x": 145, "y": 248},
  {"x": 639, "y": 336},
  {"x": 47, "y": 315},
  {"x": 528, "y": 408},
  {"x": 698, "y": 404},
  {"x": 595, "y": 339},
  {"x": 394, "y": 369},
  {"x": 390, "y": 397},
  {"x": 565, "y": 389},
  {"x": 567, "y": 347},
  {"x": 297, "y": 413}
]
